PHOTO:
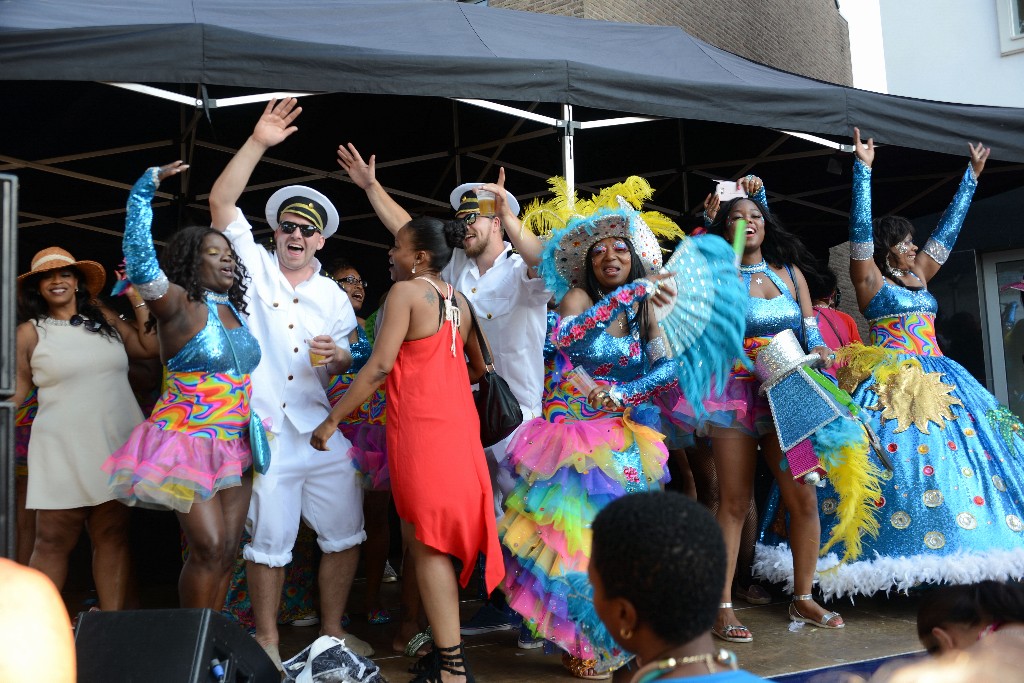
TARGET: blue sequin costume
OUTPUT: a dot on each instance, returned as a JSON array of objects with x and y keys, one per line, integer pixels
[
  {"x": 740, "y": 406},
  {"x": 364, "y": 428},
  {"x": 573, "y": 461},
  {"x": 952, "y": 509},
  {"x": 195, "y": 442}
]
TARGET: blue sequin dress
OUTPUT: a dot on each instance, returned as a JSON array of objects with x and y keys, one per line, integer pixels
[
  {"x": 364, "y": 428},
  {"x": 951, "y": 510},
  {"x": 572, "y": 462}
]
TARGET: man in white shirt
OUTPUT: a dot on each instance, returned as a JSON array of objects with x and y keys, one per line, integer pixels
[
  {"x": 509, "y": 298},
  {"x": 302, "y": 321}
]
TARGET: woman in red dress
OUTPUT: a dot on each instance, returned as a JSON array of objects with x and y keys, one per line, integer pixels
[{"x": 438, "y": 473}]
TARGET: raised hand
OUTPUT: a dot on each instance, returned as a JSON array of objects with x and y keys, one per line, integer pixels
[
  {"x": 711, "y": 205},
  {"x": 979, "y": 155},
  {"x": 363, "y": 174},
  {"x": 498, "y": 190},
  {"x": 179, "y": 166},
  {"x": 750, "y": 184},
  {"x": 864, "y": 152},
  {"x": 275, "y": 125}
]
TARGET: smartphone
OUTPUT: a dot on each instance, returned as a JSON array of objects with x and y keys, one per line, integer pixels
[{"x": 729, "y": 189}]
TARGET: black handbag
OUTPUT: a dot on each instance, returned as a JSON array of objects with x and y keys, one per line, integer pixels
[{"x": 497, "y": 406}]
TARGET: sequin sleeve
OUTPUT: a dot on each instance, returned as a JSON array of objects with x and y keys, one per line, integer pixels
[
  {"x": 812, "y": 335},
  {"x": 660, "y": 377},
  {"x": 574, "y": 328},
  {"x": 862, "y": 242},
  {"x": 942, "y": 240},
  {"x": 143, "y": 270},
  {"x": 761, "y": 197}
]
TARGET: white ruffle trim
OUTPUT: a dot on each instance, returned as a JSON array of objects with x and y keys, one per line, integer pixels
[{"x": 865, "y": 577}]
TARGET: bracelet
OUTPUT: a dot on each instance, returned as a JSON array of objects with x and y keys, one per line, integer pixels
[{"x": 139, "y": 305}]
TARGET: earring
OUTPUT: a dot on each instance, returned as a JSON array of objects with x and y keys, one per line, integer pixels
[
  {"x": 625, "y": 633},
  {"x": 414, "y": 269}
]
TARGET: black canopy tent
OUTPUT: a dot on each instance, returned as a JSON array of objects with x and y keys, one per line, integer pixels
[{"x": 394, "y": 69}]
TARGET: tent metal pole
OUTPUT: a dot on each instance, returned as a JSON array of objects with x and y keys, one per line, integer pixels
[{"x": 568, "y": 156}]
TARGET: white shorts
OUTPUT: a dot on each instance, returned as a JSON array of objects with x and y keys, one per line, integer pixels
[
  {"x": 318, "y": 486},
  {"x": 502, "y": 478}
]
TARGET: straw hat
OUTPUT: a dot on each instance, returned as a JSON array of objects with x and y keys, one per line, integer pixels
[{"x": 55, "y": 258}]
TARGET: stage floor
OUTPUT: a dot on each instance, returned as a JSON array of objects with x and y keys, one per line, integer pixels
[{"x": 876, "y": 627}]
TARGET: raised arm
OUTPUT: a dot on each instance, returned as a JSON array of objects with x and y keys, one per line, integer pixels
[
  {"x": 526, "y": 242},
  {"x": 364, "y": 175},
  {"x": 941, "y": 242},
  {"x": 865, "y": 275},
  {"x": 274, "y": 126}
]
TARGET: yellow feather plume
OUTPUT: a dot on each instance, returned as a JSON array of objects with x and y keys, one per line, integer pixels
[{"x": 857, "y": 482}]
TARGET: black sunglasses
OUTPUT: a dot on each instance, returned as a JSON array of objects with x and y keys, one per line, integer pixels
[
  {"x": 287, "y": 227},
  {"x": 91, "y": 325},
  {"x": 353, "y": 280},
  {"x": 470, "y": 218}
]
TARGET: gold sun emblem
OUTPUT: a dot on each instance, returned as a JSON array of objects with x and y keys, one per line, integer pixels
[{"x": 914, "y": 397}]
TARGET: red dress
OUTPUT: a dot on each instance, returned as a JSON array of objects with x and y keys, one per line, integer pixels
[{"x": 439, "y": 475}]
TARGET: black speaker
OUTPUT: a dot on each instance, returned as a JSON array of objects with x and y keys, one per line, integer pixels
[{"x": 168, "y": 646}]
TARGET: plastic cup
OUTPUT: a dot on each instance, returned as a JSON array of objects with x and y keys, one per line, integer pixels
[
  {"x": 582, "y": 380},
  {"x": 316, "y": 358},
  {"x": 486, "y": 201}
]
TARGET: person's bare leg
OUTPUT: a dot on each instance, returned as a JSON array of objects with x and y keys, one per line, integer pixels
[
  {"x": 203, "y": 574},
  {"x": 234, "y": 504},
  {"x": 378, "y": 541},
  {"x": 735, "y": 462},
  {"x": 337, "y": 570},
  {"x": 801, "y": 501},
  {"x": 439, "y": 591},
  {"x": 265, "y": 585},
  {"x": 26, "y": 521},
  {"x": 412, "y": 618},
  {"x": 108, "y": 526},
  {"x": 57, "y": 532},
  {"x": 686, "y": 482}
]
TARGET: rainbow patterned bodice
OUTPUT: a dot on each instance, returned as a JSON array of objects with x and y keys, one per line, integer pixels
[
  {"x": 372, "y": 409},
  {"x": 903, "y": 320},
  {"x": 205, "y": 394}
]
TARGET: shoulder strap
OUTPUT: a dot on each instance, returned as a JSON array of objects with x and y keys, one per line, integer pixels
[
  {"x": 481, "y": 339},
  {"x": 440, "y": 299}
]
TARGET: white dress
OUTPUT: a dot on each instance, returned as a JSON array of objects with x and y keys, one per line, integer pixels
[{"x": 86, "y": 412}]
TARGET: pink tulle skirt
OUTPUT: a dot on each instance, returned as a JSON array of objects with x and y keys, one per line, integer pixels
[
  {"x": 165, "y": 469},
  {"x": 369, "y": 454}
]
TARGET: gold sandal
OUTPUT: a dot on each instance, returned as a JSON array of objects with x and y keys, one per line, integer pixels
[{"x": 583, "y": 668}]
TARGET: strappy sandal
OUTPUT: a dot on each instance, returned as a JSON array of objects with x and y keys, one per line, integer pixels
[
  {"x": 583, "y": 668},
  {"x": 424, "y": 637},
  {"x": 450, "y": 659},
  {"x": 794, "y": 615},
  {"x": 728, "y": 630}
]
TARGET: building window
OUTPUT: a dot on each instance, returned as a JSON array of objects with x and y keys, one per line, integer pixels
[{"x": 1011, "y": 25}]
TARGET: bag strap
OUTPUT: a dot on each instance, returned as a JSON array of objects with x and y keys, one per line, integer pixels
[
  {"x": 481, "y": 339},
  {"x": 215, "y": 312},
  {"x": 821, "y": 314}
]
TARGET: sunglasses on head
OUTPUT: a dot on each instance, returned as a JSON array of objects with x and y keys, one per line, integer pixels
[
  {"x": 353, "y": 280},
  {"x": 470, "y": 218},
  {"x": 288, "y": 227},
  {"x": 90, "y": 325}
]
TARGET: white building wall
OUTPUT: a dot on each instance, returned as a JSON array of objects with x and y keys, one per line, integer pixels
[{"x": 951, "y": 51}]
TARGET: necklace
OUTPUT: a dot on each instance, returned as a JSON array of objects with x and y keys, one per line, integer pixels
[
  {"x": 896, "y": 272},
  {"x": 761, "y": 267},
  {"x": 657, "y": 669},
  {"x": 217, "y": 297}
]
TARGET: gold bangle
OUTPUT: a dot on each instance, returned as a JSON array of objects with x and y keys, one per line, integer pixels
[{"x": 139, "y": 305}]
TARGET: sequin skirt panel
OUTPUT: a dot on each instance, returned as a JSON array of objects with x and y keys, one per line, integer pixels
[{"x": 956, "y": 490}]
